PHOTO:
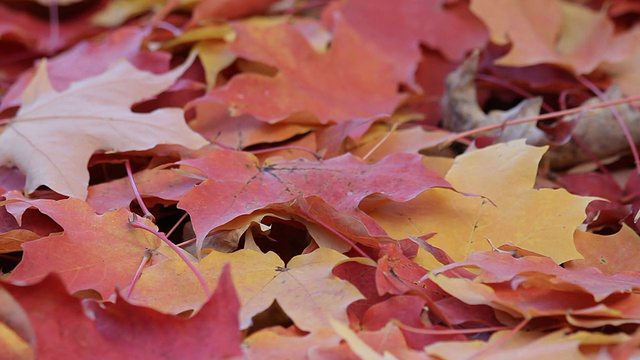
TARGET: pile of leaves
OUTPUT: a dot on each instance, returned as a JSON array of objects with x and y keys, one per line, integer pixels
[{"x": 319, "y": 179}]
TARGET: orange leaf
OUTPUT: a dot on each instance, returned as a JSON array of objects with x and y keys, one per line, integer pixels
[
  {"x": 609, "y": 253},
  {"x": 547, "y": 31},
  {"x": 321, "y": 84},
  {"x": 99, "y": 252}
]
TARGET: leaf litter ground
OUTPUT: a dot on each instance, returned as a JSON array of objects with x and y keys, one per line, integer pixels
[{"x": 319, "y": 205}]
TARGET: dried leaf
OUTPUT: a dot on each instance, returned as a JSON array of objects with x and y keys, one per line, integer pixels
[
  {"x": 92, "y": 114},
  {"x": 504, "y": 174}
]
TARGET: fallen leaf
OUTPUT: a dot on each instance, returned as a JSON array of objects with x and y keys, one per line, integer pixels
[
  {"x": 599, "y": 131},
  {"x": 91, "y": 58},
  {"x": 260, "y": 279},
  {"x": 61, "y": 335},
  {"x": 404, "y": 308},
  {"x": 63, "y": 125},
  {"x": 207, "y": 10},
  {"x": 162, "y": 183},
  {"x": 381, "y": 141},
  {"x": 270, "y": 344},
  {"x": 118, "y": 11},
  {"x": 609, "y": 210},
  {"x": 99, "y": 252},
  {"x": 298, "y": 86},
  {"x": 399, "y": 42},
  {"x": 122, "y": 329},
  {"x": 387, "y": 343},
  {"x": 241, "y": 185},
  {"x": 212, "y": 333},
  {"x": 548, "y": 31},
  {"x": 611, "y": 254},
  {"x": 33, "y": 32},
  {"x": 563, "y": 343},
  {"x": 461, "y": 111},
  {"x": 212, "y": 120},
  {"x": 17, "y": 338},
  {"x": 498, "y": 267},
  {"x": 504, "y": 175}
]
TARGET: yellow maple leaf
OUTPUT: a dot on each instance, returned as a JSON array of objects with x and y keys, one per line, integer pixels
[
  {"x": 306, "y": 289},
  {"x": 509, "y": 211}
]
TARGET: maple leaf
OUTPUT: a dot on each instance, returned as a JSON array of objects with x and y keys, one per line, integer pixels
[
  {"x": 17, "y": 338},
  {"x": 91, "y": 58},
  {"x": 99, "y": 252},
  {"x": 534, "y": 287},
  {"x": 300, "y": 288},
  {"x": 609, "y": 253},
  {"x": 64, "y": 330},
  {"x": 227, "y": 9},
  {"x": 497, "y": 267},
  {"x": 504, "y": 174},
  {"x": 275, "y": 343},
  {"x": 241, "y": 185},
  {"x": 55, "y": 133},
  {"x": 34, "y": 32},
  {"x": 549, "y": 31},
  {"x": 162, "y": 183},
  {"x": 623, "y": 60},
  {"x": 385, "y": 343},
  {"x": 213, "y": 121},
  {"x": 324, "y": 83},
  {"x": 307, "y": 81},
  {"x": 377, "y": 22},
  {"x": 563, "y": 343},
  {"x": 409, "y": 140}
]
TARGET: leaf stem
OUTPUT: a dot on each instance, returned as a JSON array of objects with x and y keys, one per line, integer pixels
[
  {"x": 184, "y": 216},
  {"x": 145, "y": 210},
  {"x": 393, "y": 128},
  {"x": 448, "y": 331},
  {"x": 145, "y": 259},
  {"x": 287, "y": 147},
  {"x": 137, "y": 224}
]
